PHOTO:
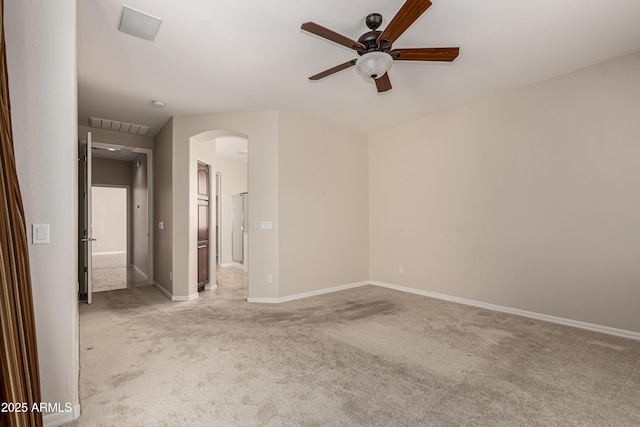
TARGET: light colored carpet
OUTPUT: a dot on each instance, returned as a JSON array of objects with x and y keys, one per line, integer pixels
[{"x": 368, "y": 356}]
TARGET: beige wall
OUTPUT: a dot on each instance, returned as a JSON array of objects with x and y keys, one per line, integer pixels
[
  {"x": 140, "y": 213},
  {"x": 111, "y": 172},
  {"x": 234, "y": 181},
  {"x": 163, "y": 207},
  {"x": 528, "y": 200},
  {"x": 41, "y": 57},
  {"x": 345, "y": 249},
  {"x": 322, "y": 205}
]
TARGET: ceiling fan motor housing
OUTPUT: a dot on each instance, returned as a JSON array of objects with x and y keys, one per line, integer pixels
[
  {"x": 370, "y": 38},
  {"x": 370, "y": 41}
]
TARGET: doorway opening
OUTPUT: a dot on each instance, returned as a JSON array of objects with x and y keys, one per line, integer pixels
[
  {"x": 110, "y": 223},
  {"x": 226, "y": 248},
  {"x": 233, "y": 230},
  {"x": 115, "y": 192}
]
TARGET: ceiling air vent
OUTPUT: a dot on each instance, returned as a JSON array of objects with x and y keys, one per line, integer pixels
[
  {"x": 117, "y": 126},
  {"x": 139, "y": 24}
]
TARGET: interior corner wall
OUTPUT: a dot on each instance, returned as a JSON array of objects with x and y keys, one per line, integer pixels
[
  {"x": 527, "y": 200},
  {"x": 163, "y": 207},
  {"x": 323, "y": 205},
  {"x": 41, "y": 56},
  {"x": 262, "y": 132}
]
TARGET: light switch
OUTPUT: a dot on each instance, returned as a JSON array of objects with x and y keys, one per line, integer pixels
[
  {"x": 40, "y": 234},
  {"x": 266, "y": 225},
  {"x": 161, "y": 225}
]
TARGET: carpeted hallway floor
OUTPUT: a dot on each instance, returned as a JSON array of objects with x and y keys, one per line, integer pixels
[{"x": 368, "y": 356}]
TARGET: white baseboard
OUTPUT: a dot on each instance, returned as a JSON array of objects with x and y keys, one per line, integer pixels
[
  {"x": 494, "y": 307},
  {"x": 187, "y": 298},
  {"x": 109, "y": 253},
  {"x": 140, "y": 272},
  {"x": 210, "y": 286},
  {"x": 308, "y": 294},
  {"x": 174, "y": 297},
  {"x": 56, "y": 419},
  {"x": 163, "y": 290},
  {"x": 530, "y": 314},
  {"x": 264, "y": 300}
]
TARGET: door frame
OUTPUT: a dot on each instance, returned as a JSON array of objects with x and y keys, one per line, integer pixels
[
  {"x": 205, "y": 200},
  {"x": 84, "y": 286},
  {"x": 218, "y": 201}
]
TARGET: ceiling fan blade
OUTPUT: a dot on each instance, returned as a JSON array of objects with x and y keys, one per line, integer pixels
[
  {"x": 407, "y": 15},
  {"x": 333, "y": 70},
  {"x": 328, "y": 34},
  {"x": 383, "y": 83},
  {"x": 426, "y": 54}
]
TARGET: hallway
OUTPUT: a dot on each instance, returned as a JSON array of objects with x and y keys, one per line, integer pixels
[{"x": 110, "y": 273}]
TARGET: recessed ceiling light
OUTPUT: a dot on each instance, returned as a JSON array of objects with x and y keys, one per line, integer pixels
[
  {"x": 158, "y": 104},
  {"x": 139, "y": 24}
]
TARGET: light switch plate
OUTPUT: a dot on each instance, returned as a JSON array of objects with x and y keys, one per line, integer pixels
[{"x": 40, "y": 234}]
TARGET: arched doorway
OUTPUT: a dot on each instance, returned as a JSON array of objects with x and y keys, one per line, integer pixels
[{"x": 219, "y": 164}]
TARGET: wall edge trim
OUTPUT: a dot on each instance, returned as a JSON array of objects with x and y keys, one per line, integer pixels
[
  {"x": 140, "y": 272},
  {"x": 183, "y": 298},
  {"x": 56, "y": 419},
  {"x": 308, "y": 294},
  {"x": 165, "y": 292}
]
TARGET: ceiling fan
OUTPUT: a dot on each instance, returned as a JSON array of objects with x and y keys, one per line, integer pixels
[{"x": 375, "y": 47}]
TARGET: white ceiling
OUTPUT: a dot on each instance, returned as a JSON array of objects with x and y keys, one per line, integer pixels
[
  {"x": 229, "y": 56},
  {"x": 233, "y": 148}
]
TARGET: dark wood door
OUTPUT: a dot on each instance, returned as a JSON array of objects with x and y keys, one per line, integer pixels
[{"x": 203, "y": 225}]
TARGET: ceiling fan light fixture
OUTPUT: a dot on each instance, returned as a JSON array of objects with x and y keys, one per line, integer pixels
[{"x": 373, "y": 65}]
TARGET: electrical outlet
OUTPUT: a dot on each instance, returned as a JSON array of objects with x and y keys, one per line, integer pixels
[
  {"x": 269, "y": 278},
  {"x": 401, "y": 269}
]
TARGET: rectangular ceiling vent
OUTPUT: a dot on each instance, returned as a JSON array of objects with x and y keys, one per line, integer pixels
[
  {"x": 139, "y": 24},
  {"x": 116, "y": 126}
]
